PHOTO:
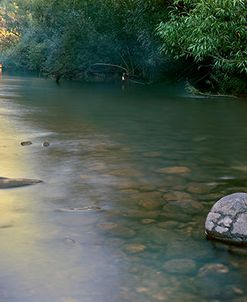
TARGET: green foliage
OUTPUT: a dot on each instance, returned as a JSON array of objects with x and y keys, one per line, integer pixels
[
  {"x": 64, "y": 38},
  {"x": 9, "y": 34},
  {"x": 210, "y": 32}
]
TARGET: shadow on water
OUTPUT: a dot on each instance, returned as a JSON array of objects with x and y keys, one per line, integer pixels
[{"x": 129, "y": 177}]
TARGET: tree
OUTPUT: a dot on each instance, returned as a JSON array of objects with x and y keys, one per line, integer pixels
[
  {"x": 63, "y": 38},
  {"x": 211, "y": 33},
  {"x": 9, "y": 34}
]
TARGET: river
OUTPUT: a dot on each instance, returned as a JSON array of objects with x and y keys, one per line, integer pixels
[{"x": 128, "y": 180}]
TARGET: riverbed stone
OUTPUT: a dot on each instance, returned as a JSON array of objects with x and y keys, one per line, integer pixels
[
  {"x": 148, "y": 221},
  {"x": 177, "y": 195},
  {"x": 150, "y": 204},
  {"x": 213, "y": 269},
  {"x": 135, "y": 247},
  {"x": 180, "y": 266},
  {"x": 117, "y": 230},
  {"x": 227, "y": 220},
  {"x": 198, "y": 188},
  {"x": 6, "y": 183}
]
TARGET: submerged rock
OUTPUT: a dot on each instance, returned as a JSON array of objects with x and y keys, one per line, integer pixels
[
  {"x": 6, "y": 183},
  {"x": 135, "y": 247},
  {"x": 227, "y": 220},
  {"x": 180, "y": 266},
  {"x": 213, "y": 269}
]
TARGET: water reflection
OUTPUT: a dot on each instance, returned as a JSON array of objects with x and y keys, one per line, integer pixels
[{"x": 129, "y": 178}]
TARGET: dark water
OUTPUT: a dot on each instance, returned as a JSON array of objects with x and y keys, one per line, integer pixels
[{"x": 129, "y": 177}]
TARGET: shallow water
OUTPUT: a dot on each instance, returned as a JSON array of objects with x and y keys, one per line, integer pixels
[{"x": 129, "y": 177}]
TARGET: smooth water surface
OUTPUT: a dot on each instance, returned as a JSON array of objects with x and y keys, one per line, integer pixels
[{"x": 129, "y": 177}]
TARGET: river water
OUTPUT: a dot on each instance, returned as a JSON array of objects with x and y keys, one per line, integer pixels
[{"x": 129, "y": 177}]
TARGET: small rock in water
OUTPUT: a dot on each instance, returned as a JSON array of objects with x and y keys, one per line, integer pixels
[
  {"x": 26, "y": 143},
  {"x": 46, "y": 144},
  {"x": 227, "y": 220}
]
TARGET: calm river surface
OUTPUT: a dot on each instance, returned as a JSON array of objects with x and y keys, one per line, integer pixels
[{"x": 129, "y": 177}]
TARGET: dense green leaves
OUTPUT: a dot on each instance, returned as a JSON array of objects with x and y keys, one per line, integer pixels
[
  {"x": 212, "y": 31},
  {"x": 65, "y": 37}
]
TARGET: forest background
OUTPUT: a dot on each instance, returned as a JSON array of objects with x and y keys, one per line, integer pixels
[{"x": 201, "y": 42}]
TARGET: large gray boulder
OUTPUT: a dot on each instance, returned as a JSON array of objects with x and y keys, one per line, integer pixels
[{"x": 227, "y": 220}]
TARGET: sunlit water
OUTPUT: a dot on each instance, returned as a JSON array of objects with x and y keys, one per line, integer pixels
[{"x": 111, "y": 223}]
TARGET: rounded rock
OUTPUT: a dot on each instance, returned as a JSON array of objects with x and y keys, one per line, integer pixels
[
  {"x": 46, "y": 144},
  {"x": 227, "y": 220}
]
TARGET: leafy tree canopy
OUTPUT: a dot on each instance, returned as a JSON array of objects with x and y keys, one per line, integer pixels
[{"x": 210, "y": 32}]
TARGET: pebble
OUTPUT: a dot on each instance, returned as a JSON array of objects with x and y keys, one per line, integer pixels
[
  {"x": 26, "y": 143},
  {"x": 46, "y": 144}
]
